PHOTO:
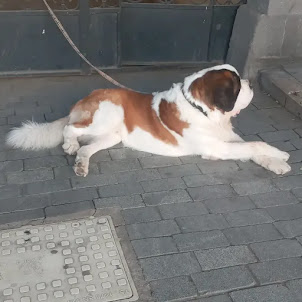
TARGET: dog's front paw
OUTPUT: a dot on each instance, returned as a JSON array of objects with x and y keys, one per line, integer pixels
[
  {"x": 71, "y": 148},
  {"x": 81, "y": 167},
  {"x": 276, "y": 165}
]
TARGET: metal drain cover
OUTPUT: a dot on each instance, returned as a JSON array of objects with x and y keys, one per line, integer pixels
[{"x": 72, "y": 261}]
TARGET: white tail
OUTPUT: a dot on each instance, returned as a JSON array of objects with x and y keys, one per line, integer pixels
[{"x": 34, "y": 136}]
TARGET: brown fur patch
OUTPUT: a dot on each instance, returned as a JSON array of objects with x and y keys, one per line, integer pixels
[{"x": 138, "y": 111}]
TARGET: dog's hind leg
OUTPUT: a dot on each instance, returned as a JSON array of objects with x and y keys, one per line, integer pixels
[{"x": 81, "y": 166}]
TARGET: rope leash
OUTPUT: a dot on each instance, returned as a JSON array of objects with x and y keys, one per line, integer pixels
[{"x": 65, "y": 34}]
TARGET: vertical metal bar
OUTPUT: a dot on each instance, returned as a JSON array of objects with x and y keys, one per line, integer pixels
[
  {"x": 211, "y": 31},
  {"x": 84, "y": 23},
  {"x": 119, "y": 36}
]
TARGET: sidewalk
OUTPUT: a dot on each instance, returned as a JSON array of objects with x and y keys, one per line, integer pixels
[{"x": 198, "y": 228}]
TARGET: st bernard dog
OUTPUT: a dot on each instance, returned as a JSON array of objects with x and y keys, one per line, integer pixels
[{"x": 191, "y": 118}]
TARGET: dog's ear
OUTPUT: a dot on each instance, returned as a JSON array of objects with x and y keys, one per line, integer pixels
[{"x": 217, "y": 89}]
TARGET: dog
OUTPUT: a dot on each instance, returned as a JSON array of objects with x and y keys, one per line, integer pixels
[{"x": 191, "y": 118}]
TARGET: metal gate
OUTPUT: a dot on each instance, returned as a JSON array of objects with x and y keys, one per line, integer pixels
[{"x": 114, "y": 33}]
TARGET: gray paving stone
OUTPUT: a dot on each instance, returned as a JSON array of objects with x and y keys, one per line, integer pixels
[
  {"x": 141, "y": 215},
  {"x": 211, "y": 192},
  {"x": 250, "y": 234},
  {"x": 163, "y": 184},
  {"x": 120, "y": 189},
  {"x": 289, "y": 182},
  {"x": 254, "y": 187},
  {"x": 249, "y": 217},
  {"x": 20, "y": 154},
  {"x": 201, "y": 223},
  {"x": 6, "y": 112},
  {"x": 179, "y": 171},
  {"x": 67, "y": 171},
  {"x": 193, "y": 159},
  {"x": 159, "y": 161},
  {"x": 287, "y": 212},
  {"x": 3, "y": 121},
  {"x": 29, "y": 176},
  {"x": 100, "y": 157},
  {"x": 284, "y": 146},
  {"x": 298, "y": 193},
  {"x": 9, "y": 191},
  {"x": 47, "y": 186},
  {"x": 173, "y": 289},
  {"x": 218, "y": 166},
  {"x": 21, "y": 216},
  {"x": 291, "y": 228},
  {"x": 273, "y": 199},
  {"x": 139, "y": 175},
  {"x": 220, "y": 298},
  {"x": 295, "y": 156},
  {"x": 44, "y": 162},
  {"x": 299, "y": 131},
  {"x": 224, "y": 257},
  {"x": 30, "y": 110},
  {"x": 273, "y": 250},
  {"x": 277, "y": 270},
  {"x": 166, "y": 197},
  {"x": 18, "y": 119},
  {"x": 169, "y": 266},
  {"x": 200, "y": 240},
  {"x": 93, "y": 180},
  {"x": 2, "y": 179},
  {"x": 152, "y": 229},
  {"x": 296, "y": 169},
  {"x": 282, "y": 135},
  {"x": 297, "y": 143},
  {"x": 120, "y": 166},
  {"x": 124, "y": 202},
  {"x": 271, "y": 293},
  {"x": 203, "y": 180},
  {"x": 11, "y": 166},
  {"x": 171, "y": 211},
  {"x": 251, "y": 138},
  {"x": 225, "y": 205},
  {"x": 125, "y": 153},
  {"x": 223, "y": 280},
  {"x": 71, "y": 196},
  {"x": 295, "y": 287},
  {"x": 151, "y": 247}
]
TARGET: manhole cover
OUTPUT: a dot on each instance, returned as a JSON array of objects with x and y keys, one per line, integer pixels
[{"x": 74, "y": 261}]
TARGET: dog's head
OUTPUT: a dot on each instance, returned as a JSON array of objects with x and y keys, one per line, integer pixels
[{"x": 220, "y": 88}]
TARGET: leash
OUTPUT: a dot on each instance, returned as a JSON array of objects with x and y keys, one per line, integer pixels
[{"x": 65, "y": 34}]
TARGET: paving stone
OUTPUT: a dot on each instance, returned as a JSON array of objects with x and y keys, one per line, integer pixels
[
  {"x": 223, "y": 280},
  {"x": 169, "y": 266},
  {"x": 254, "y": 187},
  {"x": 296, "y": 169},
  {"x": 21, "y": 216},
  {"x": 220, "y": 298},
  {"x": 163, "y": 184},
  {"x": 224, "y": 257},
  {"x": 21, "y": 154},
  {"x": 277, "y": 270},
  {"x": 85, "y": 208},
  {"x": 299, "y": 131},
  {"x": 193, "y": 159},
  {"x": 173, "y": 289},
  {"x": 120, "y": 166},
  {"x": 291, "y": 228},
  {"x": 297, "y": 143},
  {"x": 201, "y": 223},
  {"x": 171, "y": 211},
  {"x": 159, "y": 161},
  {"x": 152, "y": 229},
  {"x": 9, "y": 191},
  {"x": 151, "y": 247},
  {"x": 166, "y": 197},
  {"x": 200, "y": 240},
  {"x": 100, "y": 157},
  {"x": 218, "y": 166},
  {"x": 18, "y": 119},
  {"x": 179, "y": 171},
  {"x": 283, "y": 135},
  {"x": 273, "y": 199},
  {"x": 251, "y": 138},
  {"x": 295, "y": 156},
  {"x": 249, "y": 217},
  {"x": 125, "y": 153},
  {"x": 120, "y": 189},
  {"x": 289, "y": 182},
  {"x": 71, "y": 196},
  {"x": 211, "y": 192},
  {"x": 284, "y": 146},
  {"x": 139, "y": 175},
  {"x": 93, "y": 180},
  {"x": 3, "y": 121},
  {"x": 67, "y": 171},
  {"x": 250, "y": 234},
  {"x": 29, "y": 176},
  {"x": 271, "y": 293},
  {"x": 47, "y": 186},
  {"x": 11, "y": 166},
  {"x": 298, "y": 193},
  {"x": 273, "y": 250},
  {"x": 44, "y": 162},
  {"x": 141, "y": 215},
  {"x": 225, "y": 205},
  {"x": 287, "y": 212},
  {"x": 6, "y": 112},
  {"x": 203, "y": 180},
  {"x": 295, "y": 287},
  {"x": 124, "y": 202}
]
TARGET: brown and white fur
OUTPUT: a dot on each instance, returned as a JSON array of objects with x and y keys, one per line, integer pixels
[{"x": 164, "y": 123}]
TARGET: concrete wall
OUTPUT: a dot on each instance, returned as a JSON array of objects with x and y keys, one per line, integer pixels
[{"x": 265, "y": 30}]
